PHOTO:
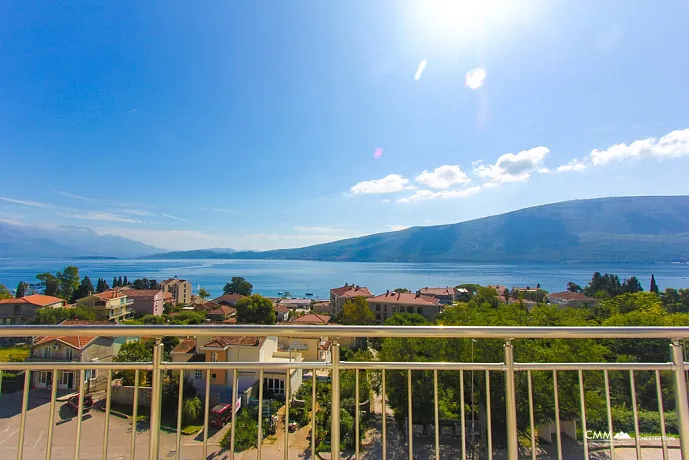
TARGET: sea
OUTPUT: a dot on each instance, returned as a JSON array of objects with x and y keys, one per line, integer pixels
[{"x": 270, "y": 277}]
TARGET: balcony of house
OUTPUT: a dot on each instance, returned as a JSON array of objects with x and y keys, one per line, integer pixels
[{"x": 478, "y": 402}]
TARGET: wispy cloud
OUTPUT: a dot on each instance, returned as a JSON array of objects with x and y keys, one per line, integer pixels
[
  {"x": 443, "y": 177},
  {"x": 672, "y": 145},
  {"x": 420, "y": 69},
  {"x": 574, "y": 165},
  {"x": 226, "y": 211},
  {"x": 388, "y": 184},
  {"x": 99, "y": 215},
  {"x": 172, "y": 217},
  {"x": 75, "y": 196},
  {"x": 35, "y": 204},
  {"x": 512, "y": 167},
  {"x": 137, "y": 212},
  {"x": 421, "y": 195}
]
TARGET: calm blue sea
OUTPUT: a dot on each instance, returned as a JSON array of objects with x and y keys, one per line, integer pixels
[{"x": 271, "y": 276}]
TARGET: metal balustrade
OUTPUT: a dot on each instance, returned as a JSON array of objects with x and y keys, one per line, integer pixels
[{"x": 508, "y": 367}]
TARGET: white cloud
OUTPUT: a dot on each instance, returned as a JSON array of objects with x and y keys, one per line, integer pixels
[
  {"x": 476, "y": 163},
  {"x": 171, "y": 217},
  {"x": 672, "y": 145},
  {"x": 137, "y": 212},
  {"x": 226, "y": 211},
  {"x": 574, "y": 165},
  {"x": 76, "y": 197},
  {"x": 35, "y": 204},
  {"x": 98, "y": 215},
  {"x": 443, "y": 177},
  {"x": 388, "y": 184},
  {"x": 396, "y": 228},
  {"x": 385, "y": 200},
  {"x": 431, "y": 195},
  {"x": 420, "y": 69},
  {"x": 512, "y": 167}
]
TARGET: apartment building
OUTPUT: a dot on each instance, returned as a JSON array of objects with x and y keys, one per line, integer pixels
[
  {"x": 23, "y": 310},
  {"x": 386, "y": 305},
  {"x": 339, "y": 296},
  {"x": 112, "y": 305},
  {"x": 179, "y": 289}
]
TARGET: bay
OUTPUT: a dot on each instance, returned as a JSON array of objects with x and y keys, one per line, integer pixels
[{"x": 272, "y": 276}]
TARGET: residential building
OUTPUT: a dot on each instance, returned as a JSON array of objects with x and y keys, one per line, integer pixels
[
  {"x": 293, "y": 304},
  {"x": 146, "y": 301},
  {"x": 112, "y": 305},
  {"x": 238, "y": 349},
  {"x": 445, "y": 295},
  {"x": 222, "y": 313},
  {"x": 229, "y": 299},
  {"x": 73, "y": 349},
  {"x": 204, "y": 305},
  {"x": 23, "y": 310},
  {"x": 312, "y": 348},
  {"x": 167, "y": 298},
  {"x": 572, "y": 299},
  {"x": 339, "y": 296},
  {"x": 179, "y": 289},
  {"x": 282, "y": 313},
  {"x": 322, "y": 307},
  {"x": 386, "y": 305}
]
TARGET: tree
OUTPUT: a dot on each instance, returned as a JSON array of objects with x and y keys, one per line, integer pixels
[
  {"x": 141, "y": 283},
  {"x": 21, "y": 290},
  {"x": 102, "y": 285},
  {"x": 114, "y": 282},
  {"x": 401, "y": 290},
  {"x": 69, "y": 281},
  {"x": 538, "y": 285},
  {"x": 125, "y": 282},
  {"x": 4, "y": 292},
  {"x": 654, "y": 286},
  {"x": 255, "y": 309},
  {"x": 631, "y": 285},
  {"x": 506, "y": 295},
  {"x": 119, "y": 282},
  {"x": 49, "y": 284},
  {"x": 58, "y": 315},
  {"x": 608, "y": 283},
  {"x": 573, "y": 287},
  {"x": 85, "y": 289},
  {"x": 153, "y": 284},
  {"x": 204, "y": 294},
  {"x": 356, "y": 311},
  {"x": 286, "y": 295},
  {"x": 238, "y": 285}
]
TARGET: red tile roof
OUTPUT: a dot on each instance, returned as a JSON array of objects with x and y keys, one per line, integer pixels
[
  {"x": 405, "y": 298},
  {"x": 281, "y": 308},
  {"x": 141, "y": 292},
  {"x": 74, "y": 342},
  {"x": 185, "y": 346},
  {"x": 222, "y": 342},
  {"x": 223, "y": 310},
  {"x": 312, "y": 318},
  {"x": 112, "y": 294},
  {"x": 438, "y": 291},
  {"x": 351, "y": 291},
  {"x": 571, "y": 296},
  {"x": 229, "y": 298},
  {"x": 35, "y": 299}
]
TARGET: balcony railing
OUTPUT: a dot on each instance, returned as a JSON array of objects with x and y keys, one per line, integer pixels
[{"x": 508, "y": 368}]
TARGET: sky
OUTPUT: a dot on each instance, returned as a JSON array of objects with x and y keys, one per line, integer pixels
[{"x": 260, "y": 125}]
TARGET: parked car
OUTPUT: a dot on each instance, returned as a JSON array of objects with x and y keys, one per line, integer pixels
[
  {"x": 222, "y": 413},
  {"x": 74, "y": 403}
]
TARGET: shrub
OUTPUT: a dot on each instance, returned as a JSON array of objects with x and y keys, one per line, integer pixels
[
  {"x": 191, "y": 410},
  {"x": 246, "y": 430},
  {"x": 623, "y": 420}
]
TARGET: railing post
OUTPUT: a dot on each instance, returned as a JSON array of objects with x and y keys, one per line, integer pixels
[
  {"x": 335, "y": 403},
  {"x": 156, "y": 400},
  {"x": 511, "y": 403},
  {"x": 681, "y": 397}
]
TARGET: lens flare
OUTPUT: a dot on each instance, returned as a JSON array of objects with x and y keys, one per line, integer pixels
[
  {"x": 377, "y": 153},
  {"x": 475, "y": 78}
]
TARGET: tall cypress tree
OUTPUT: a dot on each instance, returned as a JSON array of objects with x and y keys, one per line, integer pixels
[
  {"x": 654, "y": 286},
  {"x": 114, "y": 282},
  {"x": 21, "y": 290},
  {"x": 119, "y": 281},
  {"x": 126, "y": 283}
]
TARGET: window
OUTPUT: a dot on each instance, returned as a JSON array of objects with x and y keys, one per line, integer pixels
[
  {"x": 419, "y": 310},
  {"x": 198, "y": 374},
  {"x": 378, "y": 316},
  {"x": 410, "y": 309},
  {"x": 69, "y": 353},
  {"x": 67, "y": 378},
  {"x": 212, "y": 376},
  {"x": 377, "y": 307},
  {"x": 276, "y": 386},
  {"x": 214, "y": 357},
  {"x": 45, "y": 377},
  {"x": 47, "y": 351},
  {"x": 91, "y": 374}
]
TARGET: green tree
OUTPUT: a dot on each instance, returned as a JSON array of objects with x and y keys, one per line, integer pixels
[
  {"x": 675, "y": 301},
  {"x": 69, "y": 281},
  {"x": 133, "y": 352},
  {"x": 506, "y": 295},
  {"x": 631, "y": 285},
  {"x": 356, "y": 311},
  {"x": 21, "y": 290},
  {"x": 125, "y": 282},
  {"x": 4, "y": 292},
  {"x": 654, "y": 286},
  {"x": 608, "y": 283},
  {"x": 141, "y": 283},
  {"x": 255, "y": 309},
  {"x": 153, "y": 284},
  {"x": 102, "y": 285},
  {"x": 171, "y": 391},
  {"x": 49, "y": 283},
  {"x": 286, "y": 294},
  {"x": 238, "y": 285},
  {"x": 85, "y": 289},
  {"x": 114, "y": 282},
  {"x": 573, "y": 287},
  {"x": 204, "y": 294},
  {"x": 119, "y": 282},
  {"x": 401, "y": 290},
  {"x": 57, "y": 315}
]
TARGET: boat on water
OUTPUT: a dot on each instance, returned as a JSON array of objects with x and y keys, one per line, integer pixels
[{"x": 308, "y": 292}]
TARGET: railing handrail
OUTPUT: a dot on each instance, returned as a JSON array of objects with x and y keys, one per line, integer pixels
[{"x": 475, "y": 332}]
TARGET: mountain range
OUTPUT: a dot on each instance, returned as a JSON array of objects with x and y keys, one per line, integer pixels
[
  {"x": 622, "y": 229},
  {"x": 26, "y": 241}
]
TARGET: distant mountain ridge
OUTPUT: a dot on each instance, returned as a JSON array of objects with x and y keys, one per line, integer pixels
[
  {"x": 25, "y": 241},
  {"x": 622, "y": 229}
]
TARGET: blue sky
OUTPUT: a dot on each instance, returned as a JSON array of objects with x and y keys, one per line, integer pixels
[{"x": 260, "y": 125}]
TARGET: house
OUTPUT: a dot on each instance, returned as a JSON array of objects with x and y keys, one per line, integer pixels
[
  {"x": 179, "y": 289},
  {"x": 238, "y": 349},
  {"x": 112, "y": 305},
  {"x": 339, "y": 296},
  {"x": 146, "y": 301},
  {"x": 74, "y": 349},
  {"x": 386, "y": 305},
  {"x": 204, "y": 305},
  {"x": 445, "y": 295},
  {"x": 282, "y": 313},
  {"x": 572, "y": 299},
  {"x": 321, "y": 307},
  {"x": 229, "y": 299},
  {"x": 167, "y": 298},
  {"x": 293, "y": 304},
  {"x": 462, "y": 294},
  {"x": 500, "y": 289},
  {"x": 23, "y": 310},
  {"x": 311, "y": 348},
  {"x": 222, "y": 313}
]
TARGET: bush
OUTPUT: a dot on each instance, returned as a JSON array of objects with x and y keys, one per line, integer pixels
[
  {"x": 246, "y": 430},
  {"x": 623, "y": 420},
  {"x": 300, "y": 415},
  {"x": 192, "y": 409}
]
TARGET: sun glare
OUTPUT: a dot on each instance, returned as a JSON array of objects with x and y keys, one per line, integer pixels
[{"x": 452, "y": 18}]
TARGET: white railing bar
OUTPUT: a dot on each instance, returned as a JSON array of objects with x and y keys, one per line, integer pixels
[
  {"x": 80, "y": 412},
  {"x": 419, "y": 366},
  {"x": 582, "y": 402},
  {"x": 180, "y": 403},
  {"x": 558, "y": 431},
  {"x": 234, "y": 415},
  {"x": 51, "y": 422},
  {"x": 436, "y": 415},
  {"x": 637, "y": 435},
  {"x": 22, "y": 422},
  {"x": 135, "y": 413},
  {"x": 476, "y": 332},
  {"x": 206, "y": 413},
  {"x": 106, "y": 425},
  {"x": 71, "y": 366},
  {"x": 531, "y": 416},
  {"x": 489, "y": 417},
  {"x": 463, "y": 415},
  {"x": 593, "y": 366},
  {"x": 383, "y": 410},
  {"x": 259, "y": 436},
  {"x": 314, "y": 386},
  {"x": 227, "y": 365},
  {"x": 608, "y": 408},
  {"x": 410, "y": 416},
  {"x": 288, "y": 397},
  {"x": 659, "y": 392}
]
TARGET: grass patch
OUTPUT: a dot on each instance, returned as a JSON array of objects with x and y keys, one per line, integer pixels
[
  {"x": 144, "y": 414},
  {"x": 9, "y": 354}
]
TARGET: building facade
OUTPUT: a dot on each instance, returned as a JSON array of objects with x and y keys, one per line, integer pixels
[
  {"x": 386, "y": 305},
  {"x": 112, "y": 305},
  {"x": 445, "y": 295},
  {"x": 146, "y": 301},
  {"x": 23, "y": 310},
  {"x": 339, "y": 296},
  {"x": 179, "y": 289},
  {"x": 572, "y": 299}
]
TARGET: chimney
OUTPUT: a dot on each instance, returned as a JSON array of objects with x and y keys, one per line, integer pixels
[
  {"x": 418, "y": 294},
  {"x": 346, "y": 285},
  {"x": 387, "y": 292}
]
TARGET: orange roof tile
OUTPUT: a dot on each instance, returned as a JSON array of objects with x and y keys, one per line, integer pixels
[
  {"x": 36, "y": 299},
  {"x": 185, "y": 346},
  {"x": 312, "y": 318},
  {"x": 351, "y": 291},
  {"x": 222, "y": 342},
  {"x": 406, "y": 298}
]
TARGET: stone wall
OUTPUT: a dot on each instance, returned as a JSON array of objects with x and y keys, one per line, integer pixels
[{"x": 125, "y": 395}]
